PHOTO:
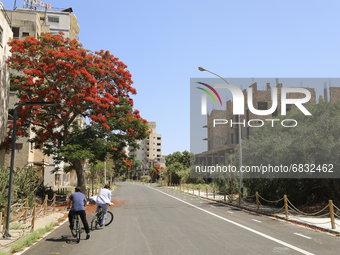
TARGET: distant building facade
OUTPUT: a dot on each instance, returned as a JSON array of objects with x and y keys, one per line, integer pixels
[
  {"x": 222, "y": 139},
  {"x": 150, "y": 151}
]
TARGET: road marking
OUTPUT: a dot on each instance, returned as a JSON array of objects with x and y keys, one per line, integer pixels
[
  {"x": 302, "y": 235},
  {"x": 229, "y": 212},
  {"x": 242, "y": 226},
  {"x": 257, "y": 221}
]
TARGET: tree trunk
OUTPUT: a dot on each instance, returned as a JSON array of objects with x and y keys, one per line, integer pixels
[{"x": 81, "y": 180}]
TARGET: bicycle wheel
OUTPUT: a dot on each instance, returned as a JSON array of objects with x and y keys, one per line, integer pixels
[
  {"x": 94, "y": 222},
  {"x": 74, "y": 229},
  {"x": 78, "y": 230},
  {"x": 109, "y": 218}
]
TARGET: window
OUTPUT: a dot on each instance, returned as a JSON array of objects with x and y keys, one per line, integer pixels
[
  {"x": 275, "y": 113},
  {"x": 18, "y": 146},
  {"x": 158, "y": 138},
  {"x": 262, "y": 105},
  {"x": 288, "y": 107},
  {"x": 24, "y": 34},
  {"x": 1, "y": 32},
  {"x": 158, "y": 144},
  {"x": 53, "y": 19},
  {"x": 158, "y": 149},
  {"x": 15, "y": 31}
]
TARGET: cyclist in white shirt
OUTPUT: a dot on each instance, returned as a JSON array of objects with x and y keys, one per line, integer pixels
[{"x": 103, "y": 200}]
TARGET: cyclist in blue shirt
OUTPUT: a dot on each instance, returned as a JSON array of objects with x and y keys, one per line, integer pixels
[{"x": 78, "y": 200}]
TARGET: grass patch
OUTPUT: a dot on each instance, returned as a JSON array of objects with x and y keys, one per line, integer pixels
[
  {"x": 4, "y": 253},
  {"x": 17, "y": 225},
  {"x": 31, "y": 238}
]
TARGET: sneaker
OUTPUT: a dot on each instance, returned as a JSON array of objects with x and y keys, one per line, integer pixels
[
  {"x": 87, "y": 236},
  {"x": 101, "y": 225}
]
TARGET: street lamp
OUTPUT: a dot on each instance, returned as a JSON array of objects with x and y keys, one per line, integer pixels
[
  {"x": 12, "y": 157},
  {"x": 239, "y": 131}
]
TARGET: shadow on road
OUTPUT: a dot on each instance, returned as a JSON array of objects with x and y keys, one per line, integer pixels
[{"x": 69, "y": 239}]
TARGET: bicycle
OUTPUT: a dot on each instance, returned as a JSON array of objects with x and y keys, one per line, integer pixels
[
  {"x": 76, "y": 231},
  {"x": 97, "y": 218}
]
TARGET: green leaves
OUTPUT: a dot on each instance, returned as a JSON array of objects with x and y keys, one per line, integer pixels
[{"x": 315, "y": 140}]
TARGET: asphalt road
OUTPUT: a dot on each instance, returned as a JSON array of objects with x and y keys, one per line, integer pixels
[{"x": 151, "y": 220}]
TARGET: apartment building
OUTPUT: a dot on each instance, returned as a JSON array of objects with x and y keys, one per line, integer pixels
[
  {"x": 222, "y": 139},
  {"x": 33, "y": 22},
  {"x": 5, "y": 34},
  {"x": 150, "y": 151}
]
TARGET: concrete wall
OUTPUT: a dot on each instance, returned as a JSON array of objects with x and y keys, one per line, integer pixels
[{"x": 27, "y": 22}]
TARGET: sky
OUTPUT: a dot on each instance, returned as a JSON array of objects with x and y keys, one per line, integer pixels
[{"x": 164, "y": 42}]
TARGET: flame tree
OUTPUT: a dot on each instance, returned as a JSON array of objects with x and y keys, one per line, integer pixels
[{"x": 95, "y": 86}]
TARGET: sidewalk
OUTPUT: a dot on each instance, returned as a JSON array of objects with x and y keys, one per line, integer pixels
[
  {"x": 315, "y": 222},
  {"x": 40, "y": 222}
]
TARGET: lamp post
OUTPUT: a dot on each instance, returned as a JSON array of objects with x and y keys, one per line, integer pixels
[
  {"x": 239, "y": 131},
  {"x": 12, "y": 157}
]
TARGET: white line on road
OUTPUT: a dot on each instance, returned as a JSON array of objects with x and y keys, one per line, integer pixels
[
  {"x": 242, "y": 226},
  {"x": 302, "y": 235},
  {"x": 229, "y": 212},
  {"x": 257, "y": 220}
]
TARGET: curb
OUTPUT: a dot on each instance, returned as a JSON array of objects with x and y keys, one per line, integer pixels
[
  {"x": 42, "y": 238},
  {"x": 308, "y": 225}
]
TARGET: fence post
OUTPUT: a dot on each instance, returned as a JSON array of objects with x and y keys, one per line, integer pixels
[
  {"x": 206, "y": 191},
  {"x": 199, "y": 190},
  {"x": 286, "y": 204},
  {"x": 33, "y": 218},
  {"x": 257, "y": 200},
  {"x": 26, "y": 208},
  {"x": 5, "y": 216},
  {"x": 225, "y": 196},
  {"x": 0, "y": 222},
  {"x": 239, "y": 197},
  {"x": 54, "y": 199},
  {"x": 231, "y": 192},
  {"x": 45, "y": 204},
  {"x": 331, "y": 213},
  {"x": 214, "y": 192}
]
